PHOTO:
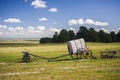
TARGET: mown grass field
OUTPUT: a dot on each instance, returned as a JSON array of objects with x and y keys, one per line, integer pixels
[{"x": 12, "y": 67}]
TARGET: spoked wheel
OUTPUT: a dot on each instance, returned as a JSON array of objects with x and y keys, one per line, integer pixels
[
  {"x": 76, "y": 56},
  {"x": 87, "y": 54},
  {"x": 26, "y": 59}
]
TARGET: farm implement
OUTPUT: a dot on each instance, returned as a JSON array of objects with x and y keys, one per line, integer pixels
[
  {"x": 110, "y": 54},
  {"x": 75, "y": 47}
]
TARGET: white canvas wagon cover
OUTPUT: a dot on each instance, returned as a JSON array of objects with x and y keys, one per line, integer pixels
[{"x": 75, "y": 46}]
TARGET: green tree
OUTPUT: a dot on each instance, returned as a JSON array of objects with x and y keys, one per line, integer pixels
[
  {"x": 83, "y": 33},
  {"x": 104, "y": 37},
  {"x": 64, "y": 35},
  {"x": 113, "y": 36},
  {"x": 72, "y": 35},
  {"x": 93, "y": 35},
  {"x": 55, "y": 37},
  {"x": 45, "y": 40},
  {"x": 118, "y": 36}
]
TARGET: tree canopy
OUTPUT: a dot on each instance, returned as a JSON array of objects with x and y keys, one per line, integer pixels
[{"x": 88, "y": 34}]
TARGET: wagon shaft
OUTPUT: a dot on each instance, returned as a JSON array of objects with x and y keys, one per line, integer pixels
[
  {"x": 26, "y": 58},
  {"x": 40, "y": 57}
]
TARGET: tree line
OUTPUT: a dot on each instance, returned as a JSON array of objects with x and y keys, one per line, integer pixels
[{"x": 90, "y": 35}]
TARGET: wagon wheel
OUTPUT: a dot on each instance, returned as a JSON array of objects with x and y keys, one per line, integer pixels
[
  {"x": 87, "y": 54},
  {"x": 26, "y": 59},
  {"x": 76, "y": 55}
]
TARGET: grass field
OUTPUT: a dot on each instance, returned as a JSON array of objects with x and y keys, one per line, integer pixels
[{"x": 12, "y": 67}]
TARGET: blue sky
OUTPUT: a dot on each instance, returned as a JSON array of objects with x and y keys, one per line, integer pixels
[{"x": 41, "y": 18}]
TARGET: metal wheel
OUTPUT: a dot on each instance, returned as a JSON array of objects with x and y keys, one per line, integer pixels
[
  {"x": 87, "y": 54},
  {"x": 26, "y": 58}
]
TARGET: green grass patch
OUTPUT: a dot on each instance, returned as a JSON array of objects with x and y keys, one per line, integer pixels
[{"x": 11, "y": 67}]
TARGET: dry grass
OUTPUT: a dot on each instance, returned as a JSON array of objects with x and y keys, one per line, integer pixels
[{"x": 38, "y": 69}]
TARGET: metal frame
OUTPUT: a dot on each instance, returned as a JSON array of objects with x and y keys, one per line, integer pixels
[{"x": 109, "y": 54}]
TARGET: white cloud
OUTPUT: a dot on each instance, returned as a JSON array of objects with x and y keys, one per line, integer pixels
[
  {"x": 43, "y": 19},
  {"x": 105, "y": 30},
  {"x": 50, "y": 31},
  {"x": 87, "y": 21},
  {"x": 34, "y": 31},
  {"x": 72, "y": 29},
  {"x": 3, "y": 27},
  {"x": 31, "y": 28},
  {"x": 98, "y": 23},
  {"x": 80, "y": 21},
  {"x": 11, "y": 29},
  {"x": 12, "y": 20},
  {"x": 117, "y": 30},
  {"x": 40, "y": 29},
  {"x": 39, "y": 4},
  {"x": 53, "y": 10},
  {"x": 19, "y": 28},
  {"x": 72, "y": 22},
  {"x": 1, "y": 33},
  {"x": 54, "y": 30}
]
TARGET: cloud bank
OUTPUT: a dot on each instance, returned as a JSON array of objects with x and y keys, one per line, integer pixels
[
  {"x": 26, "y": 32},
  {"x": 87, "y": 21},
  {"x": 35, "y": 31}
]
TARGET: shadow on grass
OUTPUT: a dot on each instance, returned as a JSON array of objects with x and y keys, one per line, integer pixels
[{"x": 69, "y": 60}]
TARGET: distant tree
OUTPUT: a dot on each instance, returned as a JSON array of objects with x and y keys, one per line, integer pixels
[
  {"x": 101, "y": 34},
  {"x": 45, "y": 40},
  {"x": 64, "y": 35},
  {"x": 118, "y": 36},
  {"x": 113, "y": 36},
  {"x": 72, "y": 35},
  {"x": 104, "y": 37},
  {"x": 83, "y": 33},
  {"x": 55, "y": 37},
  {"x": 93, "y": 35},
  {"x": 88, "y": 34}
]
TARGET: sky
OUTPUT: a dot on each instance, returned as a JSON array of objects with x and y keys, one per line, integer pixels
[{"x": 41, "y": 18}]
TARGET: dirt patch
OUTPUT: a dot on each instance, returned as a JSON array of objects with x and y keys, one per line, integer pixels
[
  {"x": 104, "y": 69},
  {"x": 67, "y": 61},
  {"x": 3, "y": 63},
  {"x": 82, "y": 60},
  {"x": 77, "y": 67},
  {"x": 17, "y": 73},
  {"x": 40, "y": 69}
]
